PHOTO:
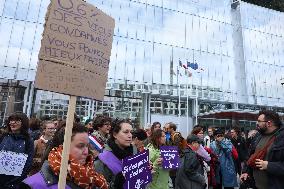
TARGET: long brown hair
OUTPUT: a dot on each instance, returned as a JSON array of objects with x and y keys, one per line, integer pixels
[
  {"x": 196, "y": 129},
  {"x": 24, "y": 130},
  {"x": 155, "y": 138}
]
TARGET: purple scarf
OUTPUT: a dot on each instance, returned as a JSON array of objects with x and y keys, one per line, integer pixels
[{"x": 111, "y": 161}]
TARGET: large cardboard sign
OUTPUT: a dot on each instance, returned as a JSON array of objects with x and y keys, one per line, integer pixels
[
  {"x": 75, "y": 49},
  {"x": 136, "y": 171},
  {"x": 170, "y": 157},
  {"x": 12, "y": 163}
]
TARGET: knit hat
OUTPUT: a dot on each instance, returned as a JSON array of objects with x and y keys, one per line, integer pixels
[{"x": 218, "y": 131}]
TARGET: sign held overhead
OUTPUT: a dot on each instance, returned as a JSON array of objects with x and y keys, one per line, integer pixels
[{"x": 75, "y": 49}]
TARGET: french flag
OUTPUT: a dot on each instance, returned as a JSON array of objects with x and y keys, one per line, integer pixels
[{"x": 94, "y": 142}]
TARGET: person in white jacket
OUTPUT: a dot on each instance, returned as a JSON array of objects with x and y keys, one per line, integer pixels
[{"x": 208, "y": 139}]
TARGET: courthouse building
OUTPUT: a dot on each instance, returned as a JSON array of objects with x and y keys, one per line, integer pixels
[{"x": 235, "y": 51}]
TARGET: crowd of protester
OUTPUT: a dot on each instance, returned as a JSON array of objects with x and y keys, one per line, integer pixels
[{"x": 209, "y": 158}]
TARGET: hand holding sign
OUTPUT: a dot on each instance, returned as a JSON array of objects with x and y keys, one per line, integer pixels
[
  {"x": 159, "y": 161},
  {"x": 12, "y": 163},
  {"x": 75, "y": 51},
  {"x": 136, "y": 171},
  {"x": 170, "y": 157}
]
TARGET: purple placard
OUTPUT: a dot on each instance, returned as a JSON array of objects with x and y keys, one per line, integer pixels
[
  {"x": 170, "y": 157},
  {"x": 136, "y": 171}
]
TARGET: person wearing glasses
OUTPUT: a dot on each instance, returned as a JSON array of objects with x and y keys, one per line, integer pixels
[
  {"x": 102, "y": 127},
  {"x": 225, "y": 173},
  {"x": 16, "y": 141},
  {"x": 265, "y": 163},
  {"x": 48, "y": 130}
]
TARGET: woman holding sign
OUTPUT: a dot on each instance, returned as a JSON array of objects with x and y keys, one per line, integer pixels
[
  {"x": 160, "y": 176},
  {"x": 117, "y": 148},
  {"x": 16, "y": 151},
  {"x": 80, "y": 172}
]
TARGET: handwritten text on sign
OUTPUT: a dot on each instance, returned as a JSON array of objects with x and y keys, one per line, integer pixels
[
  {"x": 136, "y": 171},
  {"x": 170, "y": 157},
  {"x": 77, "y": 36},
  {"x": 12, "y": 163}
]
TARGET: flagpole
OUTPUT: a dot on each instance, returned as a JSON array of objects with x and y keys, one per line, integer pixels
[
  {"x": 196, "y": 104},
  {"x": 178, "y": 98},
  {"x": 187, "y": 104},
  {"x": 196, "y": 94}
]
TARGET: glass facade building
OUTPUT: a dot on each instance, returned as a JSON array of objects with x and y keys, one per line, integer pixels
[{"x": 239, "y": 49}]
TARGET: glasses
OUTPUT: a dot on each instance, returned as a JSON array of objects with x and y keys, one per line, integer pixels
[
  {"x": 51, "y": 129},
  {"x": 16, "y": 121},
  {"x": 259, "y": 121},
  {"x": 220, "y": 135}
]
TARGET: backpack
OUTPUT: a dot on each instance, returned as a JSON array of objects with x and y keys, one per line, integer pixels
[{"x": 182, "y": 143}]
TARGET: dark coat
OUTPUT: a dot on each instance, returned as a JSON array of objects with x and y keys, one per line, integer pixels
[
  {"x": 190, "y": 175},
  {"x": 241, "y": 147},
  {"x": 20, "y": 144},
  {"x": 35, "y": 134},
  {"x": 275, "y": 167}
]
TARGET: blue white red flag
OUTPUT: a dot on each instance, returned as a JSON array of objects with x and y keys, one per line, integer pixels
[{"x": 94, "y": 142}]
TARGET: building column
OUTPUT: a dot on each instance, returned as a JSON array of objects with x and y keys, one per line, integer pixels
[
  {"x": 26, "y": 97},
  {"x": 239, "y": 55},
  {"x": 194, "y": 110},
  {"x": 30, "y": 100},
  {"x": 145, "y": 117}
]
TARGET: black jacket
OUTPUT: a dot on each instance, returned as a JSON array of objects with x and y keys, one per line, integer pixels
[
  {"x": 190, "y": 175},
  {"x": 20, "y": 144},
  {"x": 241, "y": 147},
  {"x": 275, "y": 168}
]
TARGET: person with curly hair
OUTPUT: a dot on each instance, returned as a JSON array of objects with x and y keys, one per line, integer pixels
[{"x": 16, "y": 138}]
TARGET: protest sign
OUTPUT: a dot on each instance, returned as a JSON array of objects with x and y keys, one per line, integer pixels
[
  {"x": 136, "y": 171},
  {"x": 74, "y": 58},
  {"x": 75, "y": 49},
  {"x": 12, "y": 163},
  {"x": 170, "y": 157}
]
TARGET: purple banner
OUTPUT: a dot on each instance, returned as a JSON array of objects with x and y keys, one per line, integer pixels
[
  {"x": 136, "y": 171},
  {"x": 170, "y": 157}
]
